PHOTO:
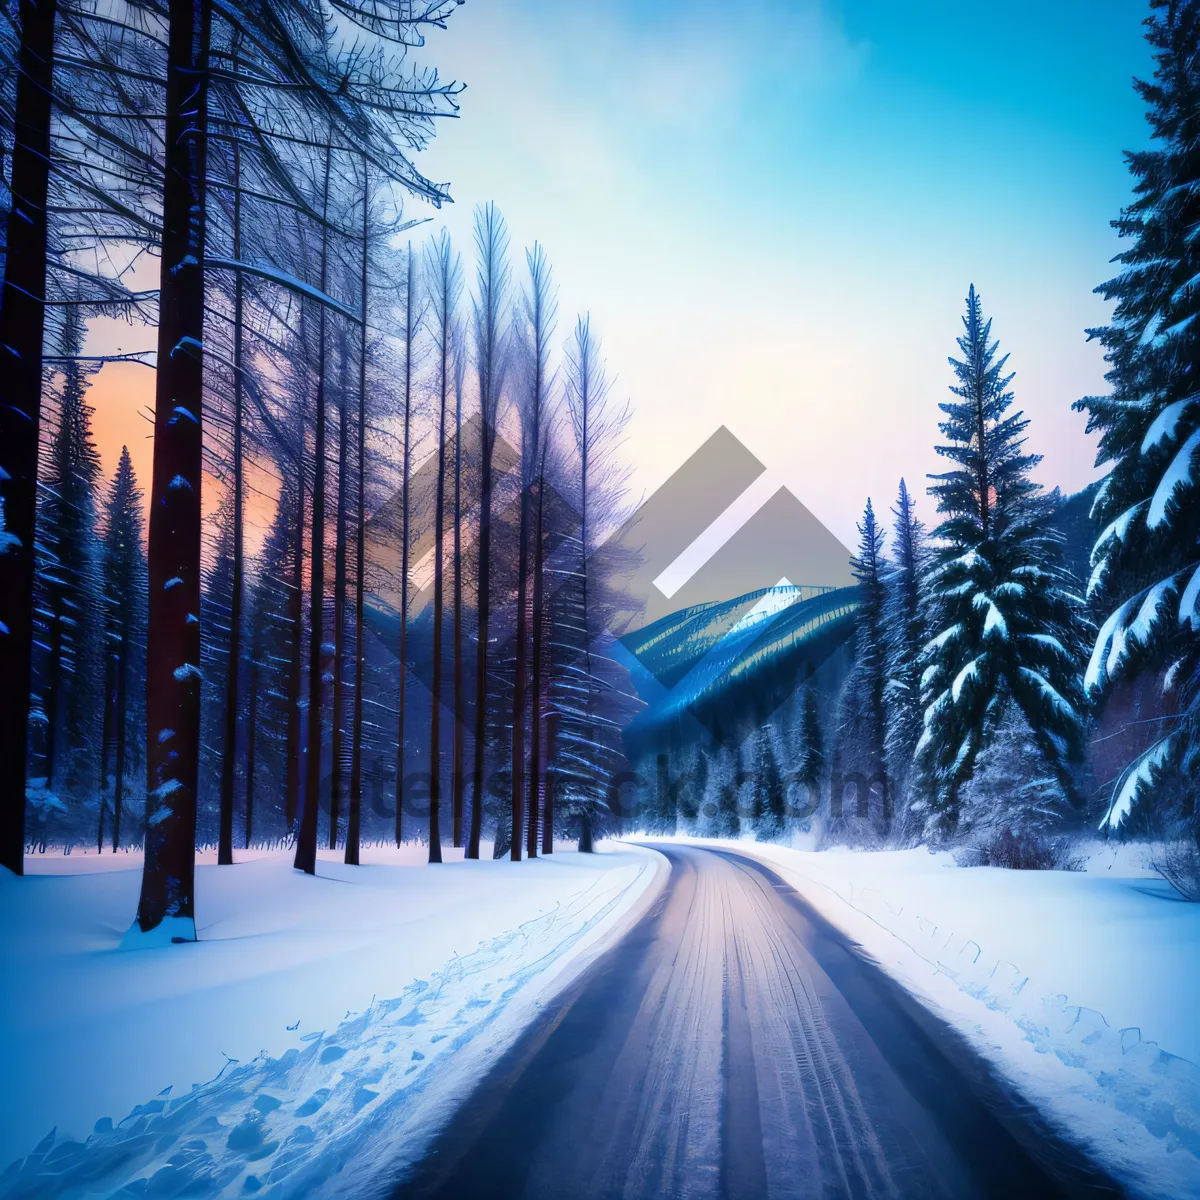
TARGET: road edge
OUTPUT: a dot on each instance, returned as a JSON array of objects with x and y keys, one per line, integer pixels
[
  {"x": 1043, "y": 1080},
  {"x": 443, "y": 1098}
]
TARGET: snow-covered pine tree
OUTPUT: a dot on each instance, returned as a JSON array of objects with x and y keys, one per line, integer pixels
[
  {"x": 718, "y": 814},
  {"x": 806, "y": 780},
  {"x": 215, "y": 609},
  {"x": 768, "y": 786},
  {"x": 1145, "y": 582},
  {"x": 125, "y": 627},
  {"x": 904, "y": 628},
  {"x": 1005, "y": 627},
  {"x": 271, "y": 667},
  {"x": 70, "y": 585},
  {"x": 862, "y": 723},
  {"x": 870, "y": 666},
  {"x": 1011, "y": 795}
]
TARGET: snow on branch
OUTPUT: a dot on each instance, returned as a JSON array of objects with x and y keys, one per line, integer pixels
[{"x": 284, "y": 280}]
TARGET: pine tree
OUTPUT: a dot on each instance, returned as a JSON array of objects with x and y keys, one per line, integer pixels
[
  {"x": 216, "y": 606},
  {"x": 1006, "y": 627},
  {"x": 272, "y": 665},
  {"x": 1011, "y": 793},
  {"x": 725, "y": 782},
  {"x": 768, "y": 785},
  {"x": 70, "y": 583},
  {"x": 904, "y": 627},
  {"x": 125, "y": 618},
  {"x": 1145, "y": 582},
  {"x": 811, "y": 766},
  {"x": 870, "y": 664}
]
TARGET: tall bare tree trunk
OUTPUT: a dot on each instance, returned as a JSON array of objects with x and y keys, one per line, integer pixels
[
  {"x": 491, "y": 240},
  {"x": 481, "y": 650},
  {"x": 53, "y": 691},
  {"x": 291, "y": 801},
  {"x": 459, "y": 781},
  {"x": 22, "y": 329},
  {"x": 122, "y": 713},
  {"x": 173, "y": 632},
  {"x": 252, "y": 731},
  {"x": 233, "y": 668},
  {"x": 536, "y": 768},
  {"x": 306, "y": 842},
  {"x": 105, "y": 740},
  {"x": 517, "y": 764},
  {"x": 354, "y": 820},
  {"x": 550, "y": 778},
  {"x": 339, "y": 600},
  {"x": 444, "y": 298},
  {"x": 585, "y": 817},
  {"x": 404, "y": 500},
  {"x": 541, "y": 308}
]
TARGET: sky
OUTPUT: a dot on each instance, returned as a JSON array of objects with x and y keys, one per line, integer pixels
[{"x": 773, "y": 211}]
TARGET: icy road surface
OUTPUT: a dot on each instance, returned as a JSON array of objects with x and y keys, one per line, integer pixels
[{"x": 735, "y": 1045}]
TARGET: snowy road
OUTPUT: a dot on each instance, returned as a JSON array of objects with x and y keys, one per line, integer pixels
[{"x": 735, "y": 1045}]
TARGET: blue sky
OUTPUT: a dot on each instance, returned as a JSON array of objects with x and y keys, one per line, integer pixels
[{"x": 773, "y": 210}]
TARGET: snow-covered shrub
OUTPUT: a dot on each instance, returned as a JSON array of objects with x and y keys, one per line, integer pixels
[
  {"x": 1028, "y": 852},
  {"x": 1179, "y": 864}
]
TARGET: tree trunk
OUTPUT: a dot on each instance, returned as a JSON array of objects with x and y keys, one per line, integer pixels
[
  {"x": 537, "y": 798},
  {"x": 549, "y": 778},
  {"x": 291, "y": 800},
  {"x": 119, "y": 764},
  {"x": 585, "y": 821},
  {"x": 233, "y": 667},
  {"x": 439, "y": 542},
  {"x": 173, "y": 632},
  {"x": 105, "y": 740},
  {"x": 339, "y": 605},
  {"x": 306, "y": 843},
  {"x": 408, "y": 341},
  {"x": 252, "y": 733},
  {"x": 53, "y": 691},
  {"x": 517, "y": 767},
  {"x": 481, "y": 654},
  {"x": 458, "y": 780},
  {"x": 22, "y": 328},
  {"x": 353, "y": 833}
]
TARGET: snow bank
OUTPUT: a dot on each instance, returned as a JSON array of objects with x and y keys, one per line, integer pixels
[
  {"x": 1079, "y": 986},
  {"x": 338, "y": 1019}
]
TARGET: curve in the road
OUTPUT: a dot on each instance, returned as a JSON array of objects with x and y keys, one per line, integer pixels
[{"x": 732, "y": 1046}]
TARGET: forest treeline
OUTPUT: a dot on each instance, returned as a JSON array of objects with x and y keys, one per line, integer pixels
[{"x": 380, "y": 475}]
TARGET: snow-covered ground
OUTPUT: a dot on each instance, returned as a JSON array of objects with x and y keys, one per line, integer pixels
[
  {"x": 309, "y": 1044},
  {"x": 1082, "y": 987}
]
